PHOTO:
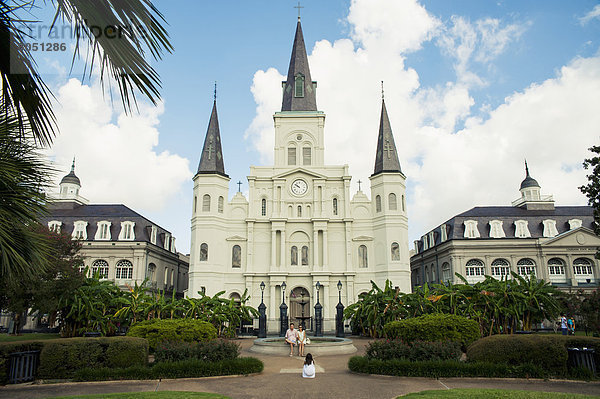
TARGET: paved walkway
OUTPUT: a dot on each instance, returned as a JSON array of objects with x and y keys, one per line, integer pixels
[{"x": 282, "y": 379}]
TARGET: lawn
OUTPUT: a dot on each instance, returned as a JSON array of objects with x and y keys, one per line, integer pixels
[
  {"x": 149, "y": 395},
  {"x": 26, "y": 337},
  {"x": 492, "y": 394}
]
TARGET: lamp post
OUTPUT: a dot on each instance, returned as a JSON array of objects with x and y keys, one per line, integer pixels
[
  {"x": 262, "y": 316},
  {"x": 283, "y": 313},
  {"x": 339, "y": 318},
  {"x": 318, "y": 314}
]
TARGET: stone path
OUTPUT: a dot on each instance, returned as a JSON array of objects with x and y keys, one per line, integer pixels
[{"x": 282, "y": 379}]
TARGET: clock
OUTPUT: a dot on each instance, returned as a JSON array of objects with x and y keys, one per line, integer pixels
[{"x": 299, "y": 187}]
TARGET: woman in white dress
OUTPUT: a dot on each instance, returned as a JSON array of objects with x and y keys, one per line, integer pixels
[
  {"x": 308, "y": 371},
  {"x": 301, "y": 340}
]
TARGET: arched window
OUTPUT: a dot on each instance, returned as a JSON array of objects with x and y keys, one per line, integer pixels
[
  {"x": 395, "y": 251},
  {"x": 220, "y": 204},
  {"x": 100, "y": 266},
  {"x": 432, "y": 271},
  {"x": 403, "y": 204},
  {"x": 206, "y": 203},
  {"x": 299, "y": 85},
  {"x": 263, "y": 207},
  {"x": 582, "y": 266},
  {"x": 525, "y": 267},
  {"x": 446, "y": 276},
  {"x": 475, "y": 267},
  {"x": 236, "y": 256},
  {"x": 204, "y": 252},
  {"x": 299, "y": 211},
  {"x": 362, "y": 256},
  {"x": 556, "y": 267},
  {"x": 151, "y": 272},
  {"x": 306, "y": 156},
  {"x": 392, "y": 202},
  {"x": 500, "y": 268},
  {"x": 294, "y": 253},
  {"x": 426, "y": 274},
  {"x": 291, "y": 156},
  {"x": 378, "y": 203},
  {"x": 124, "y": 270},
  {"x": 195, "y": 204},
  {"x": 304, "y": 255},
  {"x": 335, "y": 207}
]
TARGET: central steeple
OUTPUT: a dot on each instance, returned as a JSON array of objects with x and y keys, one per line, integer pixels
[
  {"x": 211, "y": 160},
  {"x": 299, "y": 89},
  {"x": 386, "y": 158}
]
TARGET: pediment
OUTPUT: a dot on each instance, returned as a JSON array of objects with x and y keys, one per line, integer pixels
[
  {"x": 363, "y": 238},
  {"x": 300, "y": 170},
  {"x": 236, "y": 238},
  {"x": 579, "y": 237}
]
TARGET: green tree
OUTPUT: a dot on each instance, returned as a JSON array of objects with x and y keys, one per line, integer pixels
[{"x": 592, "y": 189}]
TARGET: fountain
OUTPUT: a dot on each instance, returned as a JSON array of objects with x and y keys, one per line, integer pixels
[{"x": 321, "y": 346}]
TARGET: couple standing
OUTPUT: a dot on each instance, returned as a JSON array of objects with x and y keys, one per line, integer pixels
[{"x": 296, "y": 337}]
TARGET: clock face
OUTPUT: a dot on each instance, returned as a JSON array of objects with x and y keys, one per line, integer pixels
[{"x": 299, "y": 187}]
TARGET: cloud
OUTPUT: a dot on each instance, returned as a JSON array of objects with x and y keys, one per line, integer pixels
[
  {"x": 117, "y": 160},
  {"x": 448, "y": 171},
  {"x": 592, "y": 14}
]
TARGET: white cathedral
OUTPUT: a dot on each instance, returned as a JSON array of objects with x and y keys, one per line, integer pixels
[{"x": 299, "y": 225}]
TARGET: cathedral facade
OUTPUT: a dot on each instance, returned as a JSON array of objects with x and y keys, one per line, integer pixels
[{"x": 299, "y": 225}]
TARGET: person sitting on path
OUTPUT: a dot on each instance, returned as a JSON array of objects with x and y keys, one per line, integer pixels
[
  {"x": 301, "y": 340},
  {"x": 291, "y": 337},
  {"x": 308, "y": 371}
]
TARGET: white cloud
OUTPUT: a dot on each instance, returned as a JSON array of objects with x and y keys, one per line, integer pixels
[
  {"x": 592, "y": 14},
  {"x": 117, "y": 161},
  {"x": 551, "y": 123}
]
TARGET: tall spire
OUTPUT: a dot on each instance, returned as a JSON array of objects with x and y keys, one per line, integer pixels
[
  {"x": 298, "y": 90},
  {"x": 71, "y": 178},
  {"x": 386, "y": 158},
  {"x": 211, "y": 160},
  {"x": 529, "y": 181}
]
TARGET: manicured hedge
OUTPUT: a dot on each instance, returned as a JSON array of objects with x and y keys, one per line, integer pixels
[
  {"x": 547, "y": 351},
  {"x": 174, "y": 330},
  {"x": 60, "y": 358},
  {"x": 213, "y": 351},
  {"x": 442, "y": 368},
  {"x": 184, "y": 369},
  {"x": 415, "y": 351},
  {"x": 434, "y": 327}
]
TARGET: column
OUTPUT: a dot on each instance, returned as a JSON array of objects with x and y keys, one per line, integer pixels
[
  {"x": 272, "y": 311},
  {"x": 250, "y": 247},
  {"x": 325, "y": 254},
  {"x": 315, "y": 247},
  {"x": 283, "y": 257},
  {"x": 273, "y": 248},
  {"x": 569, "y": 271}
]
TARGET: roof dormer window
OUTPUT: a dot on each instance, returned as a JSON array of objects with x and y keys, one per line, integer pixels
[
  {"x": 496, "y": 230},
  {"x": 79, "y": 230},
  {"x": 574, "y": 224},
  {"x": 550, "y": 228},
  {"x": 443, "y": 233},
  {"x": 103, "y": 231},
  {"x": 127, "y": 232},
  {"x": 299, "y": 85},
  {"x": 54, "y": 226},
  {"x": 521, "y": 229},
  {"x": 153, "y": 235},
  {"x": 471, "y": 230}
]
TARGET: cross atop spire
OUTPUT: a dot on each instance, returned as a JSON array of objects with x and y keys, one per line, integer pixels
[
  {"x": 73, "y": 165},
  {"x": 298, "y": 7},
  {"x": 526, "y": 168},
  {"x": 386, "y": 158},
  {"x": 211, "y": 160},
  {"x": 382, "y": 96}
]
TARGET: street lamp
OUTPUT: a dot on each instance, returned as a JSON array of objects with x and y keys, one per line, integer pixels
[
  {"x": 262, "y": 316},
  {"x": 283, "y": 318},
  {"x": 339, "y": 318},
  {"x": 318, "y": 314}
]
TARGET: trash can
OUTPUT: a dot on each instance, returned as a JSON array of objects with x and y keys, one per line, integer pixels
[
  {"x": 92, "y": 334},
  {"x": 582, "y": 357},
  {"x": 22, "y": 366}
]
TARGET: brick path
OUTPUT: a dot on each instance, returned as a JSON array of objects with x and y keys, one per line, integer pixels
[{"x": 281, "y": 379}]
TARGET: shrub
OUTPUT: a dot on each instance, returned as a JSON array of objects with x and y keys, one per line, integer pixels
[
  {"x": 192, "y": 368},
  {"x": 418, "y": 350},
  {"x": 434, "y": 327},
  {"x": 175, "y": 330},
  {"x": 547, "y": 351},
  {"x": 212, "y": 351},
  {"x": 443, "y": 368}
]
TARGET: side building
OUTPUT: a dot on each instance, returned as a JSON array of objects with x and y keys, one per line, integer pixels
[
  {"x": 556, "y": 243},
  {"x": 119, "y": 243}
]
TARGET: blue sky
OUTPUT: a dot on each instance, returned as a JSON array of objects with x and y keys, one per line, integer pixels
[{"x": 449, "y": 104}]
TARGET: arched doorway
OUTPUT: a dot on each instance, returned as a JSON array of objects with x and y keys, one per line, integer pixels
[{"x": 300, "y": 307}]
